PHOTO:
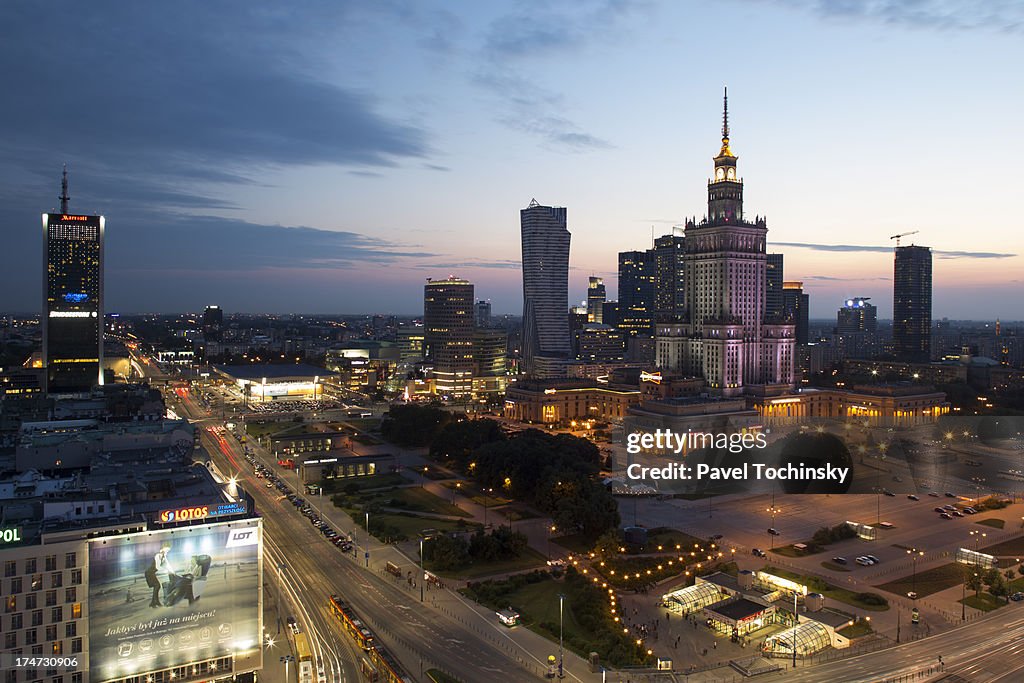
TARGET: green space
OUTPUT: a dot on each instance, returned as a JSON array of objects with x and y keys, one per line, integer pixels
[
  {"x": 869, "y": 601},
  {"x": 928, "y": 581},
  {"x": 394, "y": 527},
  {"x": 986, "y": 602},
  {"x": 576, "y": 543},
  {"x": 1014, "y": 547},
  {"x": 663, "y": 539},
  {"x": 790, "y": 551},
  {"x": 259, "y": 430},
  {"x": 835, "y": 567},
  {"x": 353, "y": 485},
  {"x": 414, "y": 499},
  {"x": 367, "y": 440},
  {"x": 993, "y": 522},
  {"x": 529, "y": 559},
  {"x": 632, "y": 572},
  {"x": 857, "y": 630},
  {"x": 587, "y": 620},
  {"x": 438, "y": 676}
]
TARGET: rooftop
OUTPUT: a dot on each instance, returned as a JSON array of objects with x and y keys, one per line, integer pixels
[{"x": 256, "y": 372}]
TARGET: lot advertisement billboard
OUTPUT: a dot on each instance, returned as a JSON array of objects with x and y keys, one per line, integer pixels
[{"x": 166, "y": 598}]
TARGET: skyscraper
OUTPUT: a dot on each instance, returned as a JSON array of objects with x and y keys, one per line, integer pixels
[
  {"x": 213, "y": 322},
  {"x": 912, "y": 304},
  {"x": 449, "y": 326},
  {"x": 725, "y": 336},
  {"x": 669, "y": 277},
  {"x": 857, "y": 328},
  {"x": 545, "y": 239},
  {"x": 636, "y": 292},
  {"x": 483, "y": 313},
  {"x": 796, "y": 306},
  {"x": 596, "y": 296},
  {"x": 72, "y": 299},
  {"x": 773, "y": 287}
]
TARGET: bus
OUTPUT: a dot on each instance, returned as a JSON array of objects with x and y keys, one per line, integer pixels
[{"x": 304, "y": 658}]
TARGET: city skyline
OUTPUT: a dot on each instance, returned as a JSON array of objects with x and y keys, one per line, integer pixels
[{"x": 412, "y": 164}]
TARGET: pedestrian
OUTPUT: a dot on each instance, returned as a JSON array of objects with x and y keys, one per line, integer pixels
[{"x": 716, "y": 645}]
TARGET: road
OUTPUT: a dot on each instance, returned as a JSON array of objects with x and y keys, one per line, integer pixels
[{"x": 419, "y": 635}]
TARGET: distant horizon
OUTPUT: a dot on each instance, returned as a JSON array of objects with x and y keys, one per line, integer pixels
[{"x": 228, "y": 314}]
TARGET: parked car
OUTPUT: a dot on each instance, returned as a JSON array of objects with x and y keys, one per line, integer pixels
[
  {"x": 938, "y": 509},
  {"x": 913, "y": 497},
  {"x": 946, "y": 515},
  {"x": 774, "y": 532},
  {"x": 757, "y": 552},
  {"x": 956, "y": 513},
  {"x": 839, "y": 560},
  {"x": 1017, "y": 597},
  {"x": 863, "y": 561},
  {"x": 874, "y": 560},
  {"x": 950, "y": 495}
]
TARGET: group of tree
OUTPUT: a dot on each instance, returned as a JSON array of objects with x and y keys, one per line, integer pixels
[
  {"x": 414, "y": 425},
  {"x": 449, "y": 553},
  {"x": 997, "y": 582}
]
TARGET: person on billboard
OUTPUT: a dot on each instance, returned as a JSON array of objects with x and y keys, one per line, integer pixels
[{"x": 160, "y": 574}]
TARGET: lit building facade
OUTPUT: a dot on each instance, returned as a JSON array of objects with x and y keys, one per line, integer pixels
[
  {"x": 596, "y": 296},
  {"x": 912, "y": 304},
  {"x": 449, "y": 324},
  {"x": 72, "y": 301},
  {"x": 857, "y": 328},
  {"x": 636, "y": 292},
  {"x": 545, "y": 242},
  {"x": 725, "y": 335},
  {"x": 567, "y": 400}
]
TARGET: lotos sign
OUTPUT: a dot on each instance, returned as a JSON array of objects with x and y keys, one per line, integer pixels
[{"x": 185, "y": 514}]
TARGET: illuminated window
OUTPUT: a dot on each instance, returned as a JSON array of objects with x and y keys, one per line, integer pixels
[{"x": 76, "y": 611}]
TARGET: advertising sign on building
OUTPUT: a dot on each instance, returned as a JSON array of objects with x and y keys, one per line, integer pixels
[{"x": 160, "y": 599}]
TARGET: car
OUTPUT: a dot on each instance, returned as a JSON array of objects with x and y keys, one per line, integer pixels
[
  {"x": 956, "y": 513},
  {"x": 933, "y": 494},
  {"x": 970, "y": 511},
  {"x": 269, "y": 485},
  {"x": 863, "y": 561},
  {"x": 950, "y": 495},
  {"x": 774, "y": 532},
  {"x": 1017, "y": 597},
  {"x": 949, "y": 508},
  {"x": 757, "y": 552},
  {"x": 888, "y": 493},
  {"x": 912, "y": 497},
  {"x": 874, "y": 560},
  {"x": 839, "y": 560},
  {"x": 912, "y": 595},
  {"x": 938, "y": 509},
  {"x": 886, "y": 525},
  {"x": 946, "y": 515}
]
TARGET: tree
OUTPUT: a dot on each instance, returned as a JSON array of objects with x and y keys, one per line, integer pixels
[
  {"x": 457, "y": 440},
  {"x": 974, "y": 581},
  {"x": 445, "y": 553},
  {"x": 414, "y": 425}
]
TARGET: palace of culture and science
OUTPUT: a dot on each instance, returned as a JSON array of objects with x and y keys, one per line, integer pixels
[{"x": 724, "y": 334}]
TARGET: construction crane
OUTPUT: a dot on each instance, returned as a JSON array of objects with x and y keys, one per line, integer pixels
[{"x": 903, "y": 234}]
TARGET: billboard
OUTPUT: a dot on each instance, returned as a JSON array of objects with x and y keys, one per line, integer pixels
[{"x": 166, "y": 598}]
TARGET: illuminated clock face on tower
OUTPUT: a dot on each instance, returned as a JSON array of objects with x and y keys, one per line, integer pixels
[
  {"x": 720, "y": 173},
  {"x": 731, "y": 173}
]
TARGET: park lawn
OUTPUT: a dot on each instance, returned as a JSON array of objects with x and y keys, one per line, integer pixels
[
  {"x": 928, "y": 582},
  {"x": 373, "y": 481},
  {"x": 416, "y": 499},
  {"x": 407, "y": 525},
  {"x": 993, "y": 522},
  {"x": 835, "y": 567},
  {"x": 790, "y": 551},
  {"x": 670, "y": 540},
  {"x": 258, "y": 430},
  {"x": 986, "y": 602},
  {"x": 575, "y": 543},
  {"x": 367, "y": 440},
  {"x": 530, "y": 559},
  {"x": 861, "y": 628},
  {"x": 438, "y": 676},
  {"x": 1016, "y": 585},
  {"x": 1014, "y": 547},
  {"x": 827, "y": 589}
]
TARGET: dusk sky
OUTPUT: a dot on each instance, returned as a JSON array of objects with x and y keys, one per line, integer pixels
[{"x": 329, "y": 156}]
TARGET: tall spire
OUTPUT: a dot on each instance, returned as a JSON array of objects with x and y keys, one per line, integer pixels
[
  {"x": 64, "y": 198},
  {"x": 725, "y": 151},
  {"x": 725, "y": 113}
]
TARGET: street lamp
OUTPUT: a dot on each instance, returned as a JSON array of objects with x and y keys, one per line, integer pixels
[
  {"x": 561, "y": 601},
  {"x": 914, "y": 554},
  {"x": 422, "y": 573},
  {"x": 366, "y": 553},
  {"x": 286, "y": 659}
]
